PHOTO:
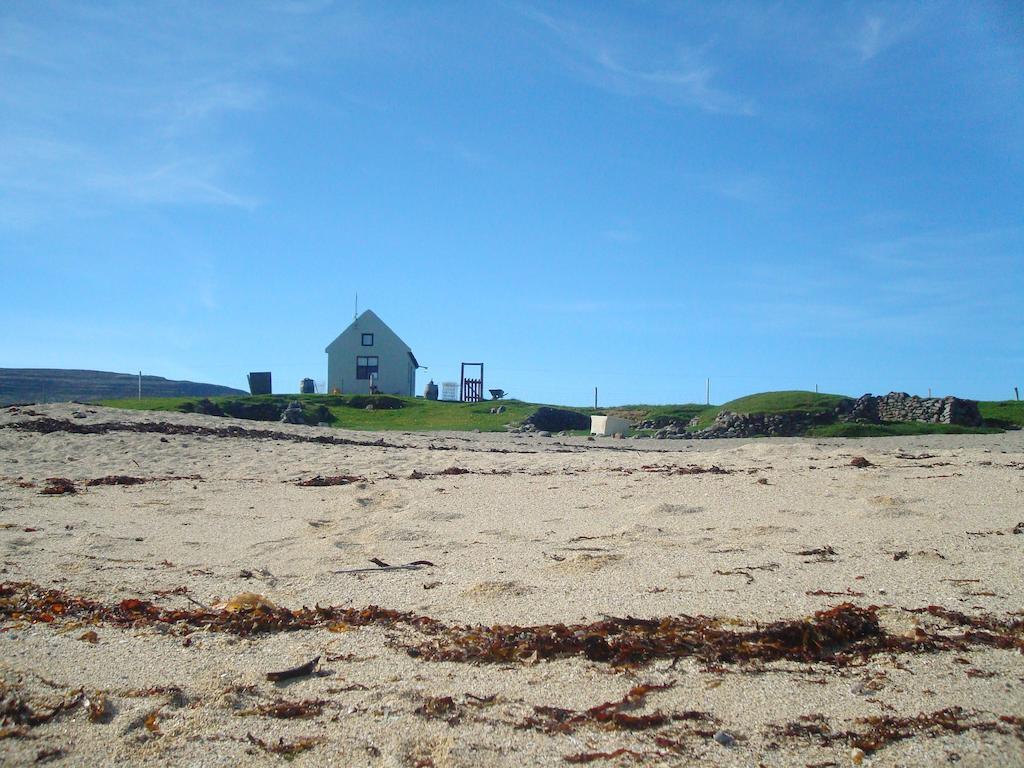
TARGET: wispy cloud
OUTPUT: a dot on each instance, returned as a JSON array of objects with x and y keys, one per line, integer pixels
[
  {"x": 609, "y": 59},
  {"x": 868, "y": 40},
  {"x": 920, "y": 285},
  {"x": 191, "y": 181},
  {"x": 941, "y": 250},
  {"x": 877, "y": 32},
  {"x": 102, "y": 106},
  {"x": 752, "y": 189}
]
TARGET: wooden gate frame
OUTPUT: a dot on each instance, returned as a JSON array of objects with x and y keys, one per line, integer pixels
[{"x": 471, "y": 390}]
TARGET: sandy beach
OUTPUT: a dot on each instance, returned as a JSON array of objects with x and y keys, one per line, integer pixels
[{"x": 120, "y": 642}]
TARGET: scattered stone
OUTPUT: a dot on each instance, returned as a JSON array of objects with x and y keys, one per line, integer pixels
[
  {"x": 293, "y": 413},
  {"x": 724, "y": 738},
  {"x": 543, "y": 433},
  {"x": 860, "y": 462}
]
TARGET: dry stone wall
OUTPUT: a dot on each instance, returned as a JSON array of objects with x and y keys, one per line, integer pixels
[
  {"x": 896, "y": 406},
  {"x": 899, "y": 406}
]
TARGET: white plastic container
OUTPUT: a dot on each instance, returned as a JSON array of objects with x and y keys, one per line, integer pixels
[{"x": 608, "y": 425}]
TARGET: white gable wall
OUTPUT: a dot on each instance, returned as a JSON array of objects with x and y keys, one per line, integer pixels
[{"x": 396, "y": 370}]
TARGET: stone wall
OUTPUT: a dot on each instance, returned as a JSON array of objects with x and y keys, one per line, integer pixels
[
  {"x": 899, "y": 406},
  {"x": 896, "y": 406},
  {"x": 792, "y": 424}
]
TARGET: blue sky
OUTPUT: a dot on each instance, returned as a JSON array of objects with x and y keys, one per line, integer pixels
[{"x": 635, "y": 196}]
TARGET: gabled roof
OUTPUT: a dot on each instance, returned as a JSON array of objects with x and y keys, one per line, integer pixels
[{"x": 368, "y": 319}]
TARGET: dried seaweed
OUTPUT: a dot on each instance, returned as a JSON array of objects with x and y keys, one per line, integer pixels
[
  {"x": 287, "y": 748},
  {"x": 839, "y": 635},
  {"x": 608, "y": 715},
  {"x": 303, "y": 670},
  {"x": 440, "y": 708},
  {"x": 16, "y": 711},
  {"x": 676, "y": 469},
  {"x": 283, "y": 709},
  {"x": 589, "y": 757},
  {"x": 879, "y": 731},
  {"x": 824, "y": 554},
  {"x": 745, "y": 571},
  {"x": 323, "y": 482},
  {"x": 118, "y": 480},
  {"x": 48, "y": 425},
  {"x": 985, "y": 628},
  {"x": 58, "y": 485},
  {"x": 415, "y": 565},
  {"x": 23, "y": 601},
  {"x": 99, "y": 708}
]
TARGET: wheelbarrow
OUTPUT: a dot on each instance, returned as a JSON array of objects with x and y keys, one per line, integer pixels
[{"x": 497, "y": 394}]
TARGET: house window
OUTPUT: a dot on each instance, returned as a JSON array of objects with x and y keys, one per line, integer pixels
[
  {"x": 365, "y": 366},
  {"x": 367, "y": 339}
]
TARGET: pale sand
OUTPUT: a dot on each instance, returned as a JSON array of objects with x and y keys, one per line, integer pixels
[{"x": 574, "y": 532}]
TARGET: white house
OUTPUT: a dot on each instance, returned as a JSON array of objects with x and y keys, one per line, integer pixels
[{"x": 368, "y": 348}]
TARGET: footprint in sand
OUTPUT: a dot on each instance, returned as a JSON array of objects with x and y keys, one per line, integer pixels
[
  {"x": 274, "y": 545},
  {"x": 889, "y": 507},
  {"x": 586, "y": 562},
  {"x": 495, "y": 590},
  {"x": 768, "y": 530},
  {"x": 443, "y": 517},
  {"x": 673, "y": 510}
]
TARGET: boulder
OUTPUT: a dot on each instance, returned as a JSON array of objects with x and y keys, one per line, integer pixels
[
  {"x": 549, "y": 419},
  {"x": 293, "y": 414}
]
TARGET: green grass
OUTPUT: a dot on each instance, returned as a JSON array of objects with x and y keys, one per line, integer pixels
[
  {"x": 415, "y": 415},
  {"x": 1006, "y": 414},
  {"x": 432, "y": 415},
  {"x": 774, "y": 402},
  {"x": 660, "y": 413}
]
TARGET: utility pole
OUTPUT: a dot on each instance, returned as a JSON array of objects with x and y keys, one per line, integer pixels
[
  {"x": 707, "y": 392},
  {"x": 595, "y": 398},
  {"x": 140, "y": 385}
]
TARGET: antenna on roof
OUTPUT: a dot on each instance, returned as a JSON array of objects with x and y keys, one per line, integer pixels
[{"x": 356, "y": 313}]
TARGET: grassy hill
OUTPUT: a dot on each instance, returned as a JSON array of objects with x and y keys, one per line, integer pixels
[
  {"x": 55, "y": 385},
  {"x": 774, "y": 402},
  {"x": 349, "y": 411},
  {"x": 415, "y": 414},
  {"x": 1007, "y": 414}
]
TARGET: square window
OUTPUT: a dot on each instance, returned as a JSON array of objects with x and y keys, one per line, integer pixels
[
  {"x": 366, "y": 366},
  {"x": 367, "y": 339}
]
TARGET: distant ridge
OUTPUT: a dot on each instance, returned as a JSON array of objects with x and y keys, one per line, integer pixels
[{"x": 55, "y": 385}]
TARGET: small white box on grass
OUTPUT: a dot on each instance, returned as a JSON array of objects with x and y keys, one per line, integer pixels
[{"x": 608, "y": 425}]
